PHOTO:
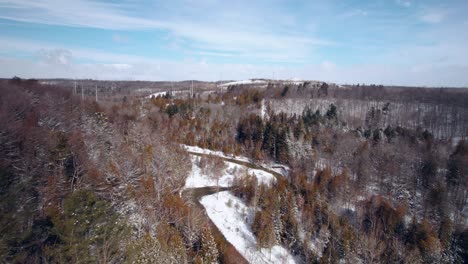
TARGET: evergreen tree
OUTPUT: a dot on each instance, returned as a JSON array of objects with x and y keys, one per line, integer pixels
[
  {"x": 331, "y": 113},
  {"x": 281, "y": 148},
  {"x": 269, "y": 138},
  {"x": 88, "y": 231}
]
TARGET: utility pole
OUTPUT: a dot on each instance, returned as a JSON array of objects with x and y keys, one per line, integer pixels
[
  {"x": 82, "y": 95},
  {"x": 75, "y": 87},
  {"x": 95, "y": 86}
]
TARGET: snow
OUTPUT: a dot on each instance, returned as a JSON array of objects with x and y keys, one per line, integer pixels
[
  {"x": 295, "y": 81},
  {"x": 405, "y": 114},
  {"x": 273, "y": 166},
  {"x": 242, "y": 82},
  {"x": 262, "y": 176},
  {"x": 221, "y": 154},
  {"x": 198, "y": 179},
  {"x": 158, "y": 94},
  {"x": 456, "y": 140},
  {"x": 233, "y": 218},
  {"x": 316, "y": 244},
  {"x": 263, "y": 111},
  {"x": 350, "y": 207},
  {"x": 276, "y": 167},
  {"x": 164, "y": 93}
]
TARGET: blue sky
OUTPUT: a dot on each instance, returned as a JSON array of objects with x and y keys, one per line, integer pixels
[{"x": 382, "y": 41}]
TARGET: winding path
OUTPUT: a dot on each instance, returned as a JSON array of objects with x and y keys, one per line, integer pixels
[{"x": 193, "y": 196}]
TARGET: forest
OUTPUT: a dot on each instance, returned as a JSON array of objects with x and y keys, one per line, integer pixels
[{"x": 359, "y": 173}]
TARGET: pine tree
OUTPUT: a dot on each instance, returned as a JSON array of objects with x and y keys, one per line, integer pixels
[
  {"x": 331, "y": 112},
  {"x": 269, "y": 137},
  {"x": 282, "y": 150}
]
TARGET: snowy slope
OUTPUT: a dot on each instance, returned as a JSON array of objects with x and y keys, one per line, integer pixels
[
  {"x": 276, "y": 167},
  {"x": 199, "y": 150},
  {"x": 233, "y": 218},
  {"x": 242, "y": 82},
  {"x": 197, "y": 178},
  {"x": 164, "y": 93},
  {"x": 158, "y": 94}
]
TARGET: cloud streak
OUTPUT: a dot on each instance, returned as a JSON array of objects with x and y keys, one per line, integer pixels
[
  {"x": 56, "y": 56},
  {"x": 236, "y": 35},
  {"x": 422, "y": 75},
  {"x": 374, "y": 42},
  {"x": 433, "y": 17},
  {"x": 403, "y": 3}
]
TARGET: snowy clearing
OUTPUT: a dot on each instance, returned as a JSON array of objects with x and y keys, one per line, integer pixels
[
  {"x": 295, "y": 81},
  {"x": 164, "y": 93},
  {"x": 273, "y": 166},
  {"x": 158, "y": 94},
  {"x": 242, "y": 82},
  {"x": 221, "y": 154},
  {"x": 197, "y": 178},
  {"x": 233, "y": 218}
]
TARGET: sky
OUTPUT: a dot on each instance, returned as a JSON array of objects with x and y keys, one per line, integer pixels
[{"x": 392, "y": 42}]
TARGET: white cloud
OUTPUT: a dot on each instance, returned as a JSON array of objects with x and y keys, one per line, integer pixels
[
  {"x": 233, "y": 33},
  {"x": 118, "y": 66},
  {"x": 423, "y": 67},
  {"x": 117, "y": 38},
  {"x": 354, "y": 13},
  {"x": 245, "y": 32},
  {"x": 38, "y": 48},
  {"x": 56, "y": 56},
  {"x": 433, "y": 17},
  {"x": 328, "y": 66},
  {"x": 415, "y": 75},
  {"x": 403, "y": 3},
  {"x": 82, "y": 13}
]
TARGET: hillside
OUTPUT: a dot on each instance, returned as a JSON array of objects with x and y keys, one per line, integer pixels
[{"x": 261, "y": 171}]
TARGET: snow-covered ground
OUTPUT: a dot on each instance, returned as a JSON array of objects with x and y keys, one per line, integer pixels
[
  {"x": 295, "y": 81},
  {"x": 242, "y": 82},
  {"x": 199, "y": 150},
  {"x": 233, "y": 218},
  {"x": 263, "y": 110},
  {"x": 197, "y": 178},
  {"x": 155, "y": 95},
  {"x": 456, "y": 140},
  {"x": 276, "y": 167}
]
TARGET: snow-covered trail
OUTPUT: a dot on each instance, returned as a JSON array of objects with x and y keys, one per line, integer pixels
[
  {"x": 193, "y": 196},
  {"x": 233, "y": 221},
  {"x": 234, "y": 218},
  {"x": 276, "y": 170}
]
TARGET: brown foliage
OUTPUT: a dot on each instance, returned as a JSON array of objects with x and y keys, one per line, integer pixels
[
  {"x": 263, "y": 229},
  {"x": 175, "y": 209}
]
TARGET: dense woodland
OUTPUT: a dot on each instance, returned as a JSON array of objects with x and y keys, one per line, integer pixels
[{"x": 99, "y": 182}]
